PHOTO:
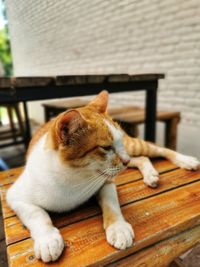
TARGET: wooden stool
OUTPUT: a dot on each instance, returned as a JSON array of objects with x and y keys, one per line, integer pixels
[
  {"x": 166, "y": 221},
  {"x": 16, "y": 130},
  {"x": 129, "y": 117}
]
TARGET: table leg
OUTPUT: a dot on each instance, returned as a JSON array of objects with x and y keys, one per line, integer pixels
[
  {"x": 171, "y": 129},
  {"x": 150, "y": 113},
  {"x": 27, "y": 135},
  {"x": 46, "y": 114},
  {"x": 11, "y": 121}
]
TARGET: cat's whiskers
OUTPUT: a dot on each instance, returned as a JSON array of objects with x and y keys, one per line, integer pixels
[
  {"x": 98, "y": 180},
  {"x": 112, "y": 171},
  {"x": 85, "y": 181},
  {"x": 90, "y": 178}
]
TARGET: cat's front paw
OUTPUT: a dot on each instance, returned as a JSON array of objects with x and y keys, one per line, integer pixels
[
  {"x": 187, "y": 162},
  {"x": 120, "y": 234},
  {"x": 49, "y": 247},
  {"x": 151, "y": 177}
]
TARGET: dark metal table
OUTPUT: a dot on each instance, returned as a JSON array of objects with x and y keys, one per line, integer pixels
[{"x": 23, "y": 89}]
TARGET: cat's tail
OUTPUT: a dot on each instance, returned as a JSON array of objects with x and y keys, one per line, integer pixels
[{"x": 136, "y": 147}]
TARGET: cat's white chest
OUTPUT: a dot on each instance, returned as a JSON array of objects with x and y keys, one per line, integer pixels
[
  {"x": 64, "y": 197},
  {"x": 47, "y": 183}
]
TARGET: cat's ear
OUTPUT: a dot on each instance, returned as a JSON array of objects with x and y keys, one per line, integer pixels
[
  {"x": 69, "y": 123},
  {"x": 100, "y": 103}
]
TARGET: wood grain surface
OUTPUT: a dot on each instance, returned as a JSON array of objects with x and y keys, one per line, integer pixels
[
  {"x": 16, "y": 82},
  {"x": 163, "y": 253},
  {"x": 161, "y": 218}
]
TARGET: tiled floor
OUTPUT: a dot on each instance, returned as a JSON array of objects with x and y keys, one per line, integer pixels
[{"x": 15, "y": 157}]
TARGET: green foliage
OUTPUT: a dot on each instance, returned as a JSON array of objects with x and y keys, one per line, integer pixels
[{"x": 5, "y": 53}]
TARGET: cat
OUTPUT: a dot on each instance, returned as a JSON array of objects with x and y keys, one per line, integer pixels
[{"x": 73, "y": 157}]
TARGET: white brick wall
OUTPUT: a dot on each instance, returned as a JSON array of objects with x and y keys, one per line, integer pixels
[{"x": 61, "y": 37}]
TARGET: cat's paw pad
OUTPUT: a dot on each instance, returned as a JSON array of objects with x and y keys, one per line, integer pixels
[
  {"x": 151, "y": 178},
  {"x": 120, "y": 235},
  {"x": 187, "y": 162},
  {"x": 49, "y": 247}
]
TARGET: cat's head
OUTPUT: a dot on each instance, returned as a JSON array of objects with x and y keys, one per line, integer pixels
[{"x": 88, "y": 138}]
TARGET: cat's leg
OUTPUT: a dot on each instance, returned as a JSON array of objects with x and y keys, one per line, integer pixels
[
  {"x": 119, "y": 233},
  {"x": 149, "y": 173},
  {"x": 49, "y": 243},
  {"x": 137, "y": 147},
  {"x": 182, "y": 161}
]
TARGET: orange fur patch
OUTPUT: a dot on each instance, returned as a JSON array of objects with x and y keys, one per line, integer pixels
[
  {"x": 109, "y": 216},
  {"x": 76, "y": 132}
]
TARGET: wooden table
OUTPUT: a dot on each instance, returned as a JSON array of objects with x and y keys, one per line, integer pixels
[
  {"x": 23, "y": 89},
  {"x": 166, "y": 221}
]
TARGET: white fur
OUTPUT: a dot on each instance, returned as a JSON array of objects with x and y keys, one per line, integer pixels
[
  {"x": 118, "y": 142},
  {"x": 150, "y": 174},
  {"x": 120, "y": 234},
  {"x": 48, "y": 184},
  {"x": 187, "y": 162},
  {"x": 49, "y": 246}
]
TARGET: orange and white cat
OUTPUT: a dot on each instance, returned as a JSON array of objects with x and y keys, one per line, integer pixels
[{"x": 73, "y": 157}]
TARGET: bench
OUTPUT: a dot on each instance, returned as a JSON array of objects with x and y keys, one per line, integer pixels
[
  {"x": 129, "y": 117},
  {"x": 166, "y": 221}
]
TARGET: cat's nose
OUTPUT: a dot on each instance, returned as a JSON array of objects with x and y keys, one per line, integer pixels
[{"x": 125, "y": 160}]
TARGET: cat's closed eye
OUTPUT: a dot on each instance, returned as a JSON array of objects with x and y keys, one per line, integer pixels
[{"x": 106, "y": 148}]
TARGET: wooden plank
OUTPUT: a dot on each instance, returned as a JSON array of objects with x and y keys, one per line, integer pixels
[
  {"x": 75, "y": 79},
  {"x": 9, "y": 176},
  {"x": 66, "y": 104},
  {"x": 135, "y": 77},
  {"x": 25, "y": 81},
  {"x": 81, "y": 79},
  {"x": 6, "y": 211},
  {"x": 171, "y": 130},
  {"x": 153, "y": 219},
  {"x": 132, "y": 174},
  {"x": 111, "y": 78},
  {"x": 138, "y": 116},
  {"x": 128, "y": 193},
  {"x": 78, "y": 102},
  {"x": 129, "y": 175},
  {"x": 162, "y": 253}
]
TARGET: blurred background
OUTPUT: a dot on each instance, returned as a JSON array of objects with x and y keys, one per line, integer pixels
[{"x": 50, "y": 38}]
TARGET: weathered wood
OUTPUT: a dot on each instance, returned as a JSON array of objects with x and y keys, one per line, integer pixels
[
  {"x": 14, "y": 82},
  {"x": 112, "y": 78},
  {"x": 162, "y": 253},
  {"x": 66, "y": 104},
  {"x": 153, "y": 220},
  {"x": 9, "y": 176},
  {"x": 83, "y": 85},
  {"x": 138, "y": 116},
  {"x": 157, "y": 215},
  {"x": 74, "y": 79},
  {"x": 129, "y": 175},
  {"x": 128, "y": 193},
  {"x": 171, "y": 129}
]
